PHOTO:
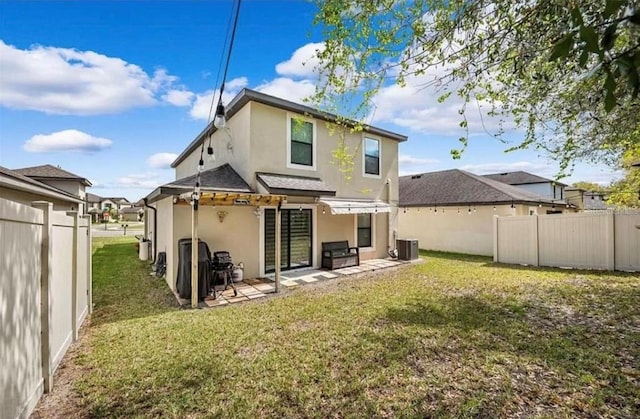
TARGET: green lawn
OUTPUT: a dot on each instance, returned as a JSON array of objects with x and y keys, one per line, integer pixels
[{"x": 455, "y": 336}]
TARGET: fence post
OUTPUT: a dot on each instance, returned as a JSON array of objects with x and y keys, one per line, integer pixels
[
  {"x": 89, "y": 239},
  {"x": 536, "y": 241},
  {"x": 495, "y": 238},
  {"x": 611, "y": 242},
  {"x": 46, "y": 271},
  {"x": 74, "y": 273}
]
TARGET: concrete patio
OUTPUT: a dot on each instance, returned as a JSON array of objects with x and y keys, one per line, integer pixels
[{"x": 252, "y": 289}]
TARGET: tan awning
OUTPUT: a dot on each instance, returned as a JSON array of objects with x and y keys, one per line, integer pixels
[{"x": 340, "y": 206}]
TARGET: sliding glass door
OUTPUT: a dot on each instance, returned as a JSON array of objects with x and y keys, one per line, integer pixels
[{"x": 295, "y": 239}]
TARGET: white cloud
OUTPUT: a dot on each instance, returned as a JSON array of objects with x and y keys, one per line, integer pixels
[
  {"x": 178, "y": 97},
  {"x": 202, "y": 104},
  {"x": 148, "y": 180},
  {"x": 303, "y": 62},
  {"x": 71, "y": 82},
  {"x": 161, "y": 160},
  {"x": 288, "y": 89},
  {"x": 407, "y": 160},
  {"x": 67, "y": 140},
  {"x": 415, "y": 106}
]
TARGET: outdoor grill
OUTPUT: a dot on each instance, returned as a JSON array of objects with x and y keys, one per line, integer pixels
[{"x": 222, "y": 267}]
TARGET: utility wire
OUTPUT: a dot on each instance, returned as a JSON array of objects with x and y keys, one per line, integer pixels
[
  {"x": 224, "y": 46},
  {"x": 224, "y": 78},
  {"x": 233, "y": 36}
]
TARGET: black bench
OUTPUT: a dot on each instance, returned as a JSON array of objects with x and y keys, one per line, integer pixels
[{"x": 339, "y": 255}]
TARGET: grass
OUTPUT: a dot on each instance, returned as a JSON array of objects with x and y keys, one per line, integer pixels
[{"x": 456, "y": 336}]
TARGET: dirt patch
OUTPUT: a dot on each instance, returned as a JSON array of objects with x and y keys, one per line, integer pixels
[{"x": 63, "y": 401}]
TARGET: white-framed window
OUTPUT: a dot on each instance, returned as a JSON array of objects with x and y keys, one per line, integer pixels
[
  {"x": 301, "y": 142},
  {"x": 365, "y": 230},
  {"x": 371, "y": 157}
]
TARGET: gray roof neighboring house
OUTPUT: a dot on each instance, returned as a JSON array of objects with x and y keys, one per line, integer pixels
[
  {"x": 219, "y": 179},
  {"x": 93, "y": 198},
  {"x": 131, "y": 210},
  {"x": 12, "y": 179},
  {"x": 294, "y": 185},
  {"x": 246, "y": 95},
  {"x": 458, "y": 187},
  {"x": 520, "y": 178},
  {"x": 50, "y": 172}
]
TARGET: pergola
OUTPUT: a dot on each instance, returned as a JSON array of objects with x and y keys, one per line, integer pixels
[{"x": 222, "y": 198}]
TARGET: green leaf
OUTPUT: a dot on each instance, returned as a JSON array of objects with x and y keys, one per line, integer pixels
[
  {"x": 576, "y": 17},
  {"x": 590, "y": 37},
  {"x": 562, "y": 47},
  {"x": 612, "y": 6}
]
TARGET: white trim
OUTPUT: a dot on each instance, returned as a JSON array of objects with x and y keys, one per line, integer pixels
[
  {"x": 364, "y": 154},
  {"x": 314, "y": 153},
  {"x": 373, "y": 232}
]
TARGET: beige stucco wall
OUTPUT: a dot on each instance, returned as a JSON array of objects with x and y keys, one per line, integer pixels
[
  {"x": 256, "y": 141},
  {"x": 448, "y": 231},
  {"x": 165, "y": 236},
  {"x": 230, "y": 145},
  {"x": 238, "y": 234},
  {"x": 27, "y": 198},
  {"x": 269, "y": 127}
]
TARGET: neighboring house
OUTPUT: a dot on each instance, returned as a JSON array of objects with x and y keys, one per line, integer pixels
[
  {"x": 131, "y": 214},
  {"x": 453, "y": 210},
  {"x": 535, "y": 184},
  {"x": 17, "y": 187},
  {"x": 93, "y": 206},
  {"x": 586, "y": 200},
  {"x": 277, "y": 154},
  {"x": 59, "y": 179},
  {"x": 98, "y": 205},
  {"x": 115, "y": 202}
]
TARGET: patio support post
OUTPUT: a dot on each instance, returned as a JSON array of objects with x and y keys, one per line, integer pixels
[
  {"x": 194, "y": 255},
  {"x": 278, "y": 255}
]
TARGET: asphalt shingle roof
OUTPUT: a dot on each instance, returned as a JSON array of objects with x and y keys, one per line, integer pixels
[
  {"x": 50, "y": 172},
  {"x": 288, "y": 184},
  {"x": 222, "y": 178},
  {"x": 16, "y": 175},
  {"x": 93, "y": 198},
  {"x": 451, "y": 187},
  {"x": 520, "y": 178}
]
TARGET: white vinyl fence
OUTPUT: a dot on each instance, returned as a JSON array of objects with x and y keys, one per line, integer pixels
[
  {"x": 608, "y": 241},
  {"x": 45, "y": 295}
]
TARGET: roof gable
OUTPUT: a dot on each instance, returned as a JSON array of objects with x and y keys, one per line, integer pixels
[
  {"x": 221, "y": 178},
  {"x": 247, "y": 95},
  {"x": 48, "y": 171},
  {"x": 29, "y": 182},
  {"x": 520, "y": 178},
  {"x": 458, "y": 187}
]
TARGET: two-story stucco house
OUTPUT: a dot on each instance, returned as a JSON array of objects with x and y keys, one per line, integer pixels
[
  {"x": 275, "y": 154},
  {"x": 60, "y": 179},
  {"x": 534, "y": 184}
]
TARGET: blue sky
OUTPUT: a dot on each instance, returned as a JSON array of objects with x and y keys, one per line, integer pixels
[{"x": 112, "y": 91}]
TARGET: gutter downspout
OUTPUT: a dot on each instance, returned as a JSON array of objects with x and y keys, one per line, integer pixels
[
  {"x": 155, "y": 228},
  {"x": 391, "y": 240}
]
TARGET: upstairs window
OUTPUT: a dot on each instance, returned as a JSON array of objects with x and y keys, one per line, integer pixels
[
  {"x": 371, "y": 157},
  {"x": 301, "y": 143}
]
